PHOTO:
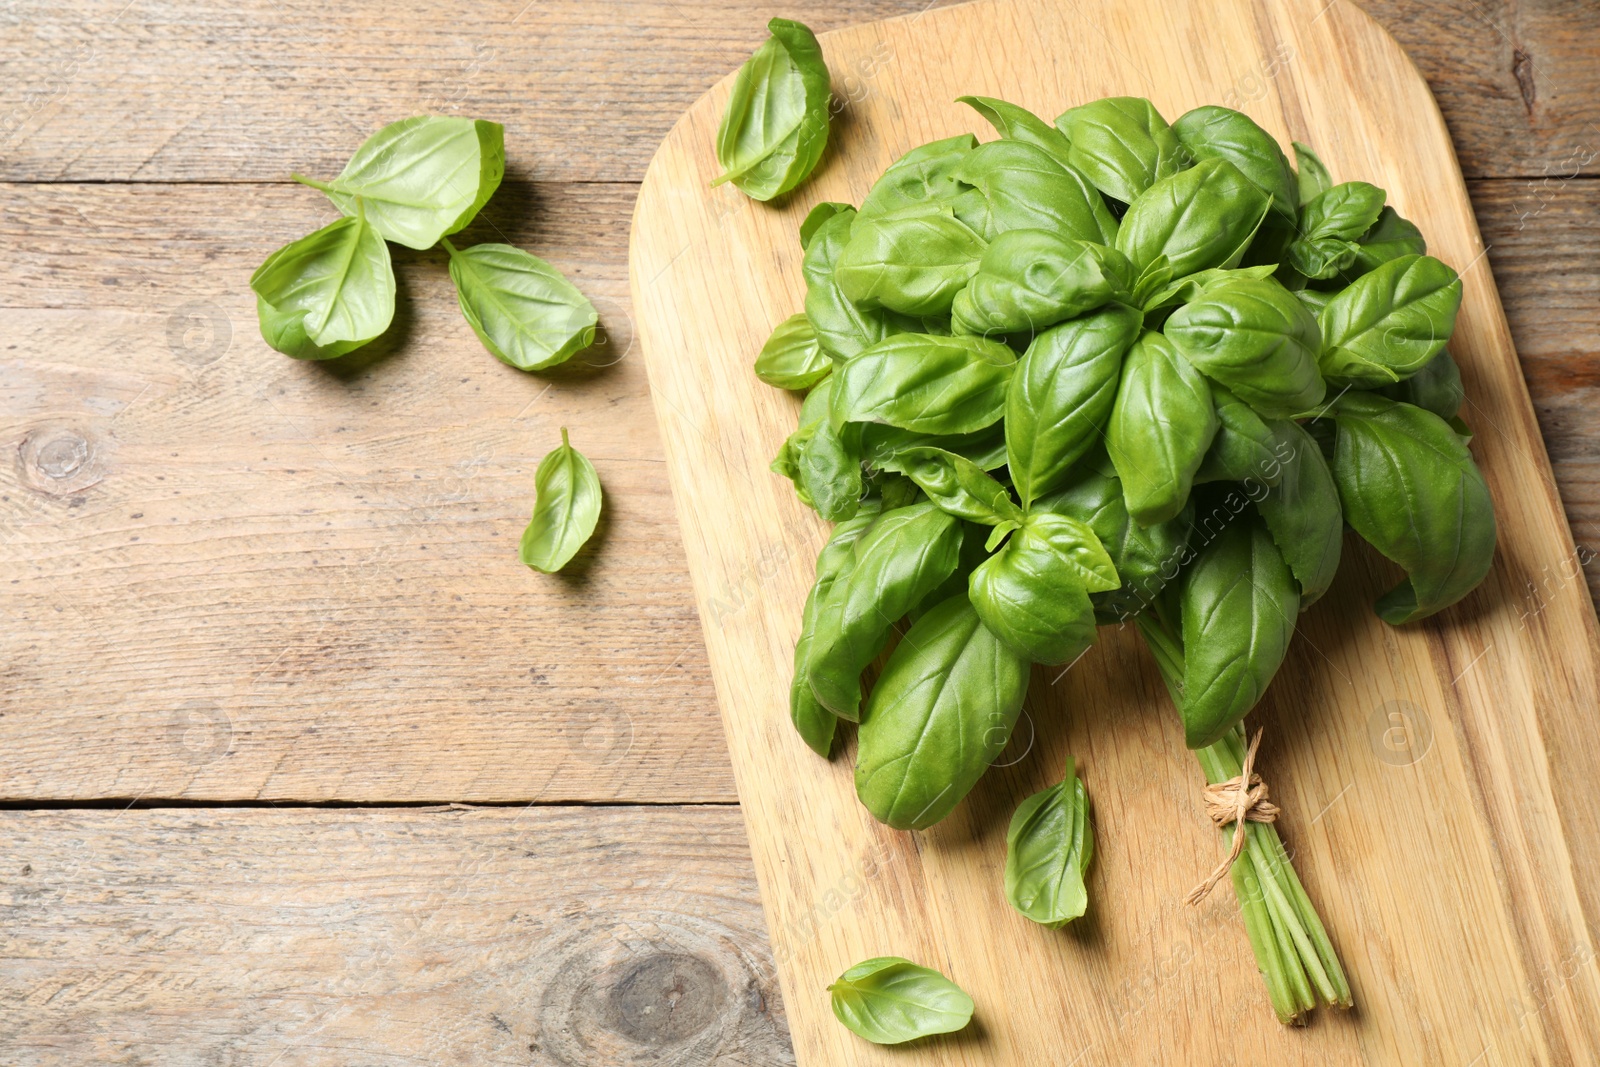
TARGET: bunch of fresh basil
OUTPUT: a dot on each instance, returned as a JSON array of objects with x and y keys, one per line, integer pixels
[
  {"x": 415, "y": 182},
  {"x": 1105, "y": 370}
]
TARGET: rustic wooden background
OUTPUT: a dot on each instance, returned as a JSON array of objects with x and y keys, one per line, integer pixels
[{"x": 298, "y": 764}]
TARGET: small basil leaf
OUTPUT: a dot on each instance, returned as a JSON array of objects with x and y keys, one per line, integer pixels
[
  {"x": 920, "y": 182},
  {"x": 1026, "y": 188},
  {"x": 1030, "y": 279},
  {"x": 565, "y": 509},
  {"x": 329, "y": 292},
  {"x": 829, "y": 470},
  {"x": 1436, "y": 387},
  {"x": 1321, "y": 258},
  {"x": 815, "y": 723},
  {"x": 1034, "y": 592},
  {"x": 1390, "y": 238},
  {"x": 1122, "y": 145},
  {"x": 1194, "y": 286},
  {"x": 1019, "y": 124},
  {"x": 1313, "y": 179},
  {"x": 813, "y": 414},
  {"x": 914, "y": 264},
  {"x": 816, "y": 217},
  {"x": 792, "y": 358},
  {"x": 1221, "y": 133},
  {"x": 1389, "y": 322},
  {"x": 885, "y": 447},
  {"x": 421, "y": 178},
  {"x": 776, "y": 125},
  {"x": 1062, "y": 394},
  {"x": 1199, "y": 218},
  {"x": 842, "y": 329},
  {"x": 524, "y": 311},
  {"x": 1048, "y": 849},
  {"x": 1302, "y": 512},
  {"x": 1256, "y": 338},
  {"x": 1161, "y": 426},
  {"x": 960, "y": 487},
  {"x": 940, "y": 385},
  {"x": 890, "y": 1000},
  {"x": 940, "y": 713},
  {"x": 1409, "y": 487},
  {"x": 1346, "y": 210},
  {"x": 1245, "y": 448}
]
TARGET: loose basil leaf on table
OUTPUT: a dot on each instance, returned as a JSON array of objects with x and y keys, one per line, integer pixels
[
  {"x": 1409, "y": 487},
  {"x": 890, "y": 1000},
  {"x": 1257, "y": 339},
  {"x": 904, "y": 555},
  {"x": 421, "y": 178},
  {"x": 843, "y": 330},
  {"x": 937, "y": 385},
  {"x": 1028, "y": 280},
  {"x": 913, "y": 264},
  {"x": 327, "y": 293},
  {"x": 1213, "y": 132},
  {"x": 1303, "y": 513},
  {"x": 1034, "y": 592},
  {"x": 1160, "y": 429},
  {"x": 1391, "y": 237},
  {"x": 1048, "y": 849},
  {"x": 776, "y": 126},
  {"x": 816, "y": 217},
  {"x": 1198, "y": 218},
  {"x": 1245, "y": 447},
  {"x": 922, "y": 182},
  {"x": 815, "y": 723},
  {"x": 565, "y": 510},
  {"x": 1388, "y": 323},
  {"x": 1026, "y": 188},
  {"x": 960, "y": 487},
  {"x": 1019, "y": 124},
  {"x": 1436, "y": 387},
  {"x": 1122, "y": 145},
  {"x": 1330, "y": 226},
  {"x": 1061, "y": 396},
  {"x": 792, "y": 358},
  {"x": 524, "y": 311},
  {"x": 1313, "y": 179},
  {"x": 940, "y": 713}
]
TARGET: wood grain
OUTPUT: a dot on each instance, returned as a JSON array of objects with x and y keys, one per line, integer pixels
[
  {"x": 568, "y": 938},
  {"x": 1447, "y": 880}
]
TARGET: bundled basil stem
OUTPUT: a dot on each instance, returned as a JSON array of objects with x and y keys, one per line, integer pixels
[{"x": 1102, "y": 371}]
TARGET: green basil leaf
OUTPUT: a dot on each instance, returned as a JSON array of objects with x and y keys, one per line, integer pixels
[
  {"x": 904, "y": 555},
  {"x": 1122, "y": 145},
  {"x": 1389, "y": 322},
  {"x": 1314, "y": 300},
  {"x": 1390, "y": 238},
  {"x": 886, "y": 447},
  {"x": 1034, "y": 593},
  {"x": 1048, "y": 849},
  {"x": 1321, "y": 258},
  {"x": 813, "y": 414},
  {"x": 565, "y": 509},
  {"x": 1254, "y": 337},
  {"x": 1161, "y": 426},
  {"x": 889, "y": 1000},
  {"x": 960, "y": 487},
  {"x": 843, "y": 330},
  {"x": 1245, "y": 447},
  {"x": 816, "y": 217},
  {"x": 1346, "y": 210},
  {"x": 942, "y": 385},
  {"x": 940, "y": 713},
  {"x": 1030, "y": 279},
  {"x": 921, "y": 182},
  {"x": 792, "y": 358},
  {"x": 421, "y": 178},
  {"x": 1313, "y": 179},
  {"x": 1019, "y": 124},
  {"x": 1199, "y": 218},
  {"x": 1302, "y": 512},
  {"x": 1221, "y": 133},
  {"x": 1026, "y": 188},
  {"x": 332, "y": 290},
  {"x": 815, "y": 723},
  {"x": 1062, "y": 395},
  {"x": 524, "y": 311},
  {"x": 776, "y": 125},
  {"x": 914, "y": 264},
  {"x": 1411, "y": 490},
  {"x": 829, "y": 470},
  {"x": 1436, "y": 387},
  {"x": 1194, "y": 286}
]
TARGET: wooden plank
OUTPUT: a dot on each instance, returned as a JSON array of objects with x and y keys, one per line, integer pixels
[
  {"x": 106, "y": 90},
  {"x": 1448, "y": 881},
  {"x": 323, "y": 938}
]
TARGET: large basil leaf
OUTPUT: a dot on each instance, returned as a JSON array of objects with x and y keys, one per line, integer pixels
[
  {"x": 905, "y": 554},
  {"x": 566, "y": 508},
  {"x": 1410, "y": 488},
  {"x": 1238, "y": 601},
  {"x": 886, "y": 447},
  {"x": 792, "y": 358},
  {"x": 1391, "y": 237},
  {"x": 889, "y": 1000},
  {"x": 776, "y": 125},
  {"x": 1026, "y": 188},
  {"x": 1302, "y": 512},
  {"x": 815, "y": 723},
  {"x": 1161, "y": 426},
  {"x": 1030, "y": 279},
  {"x": 842, "y": 329},
  {"x": 922, "y": 182},
  {"x": 960, "y": 487},
  {"x": 1245, "y": 448},
  {"x": 524, "y": 311},
  {"x": 1122, "y": 145},
  {"x": 1213, "y": 132},
  {"x": 1313, "y": 179},
  {"x": 1034, "y": 593},
  {"x": 1048, "y": 849},
  {"x": 1389, "y": 322},
  {"x": 329, "y": 292},
  {"x": 940, "y": 713},
  {"x": 1199, "y": 218},
  {"x": 1062, "y": 394},
  {"x": 1254, "y": 337},
  {"x": 940, "y": 385},
  {"x": 421, "y": 178},
  {"x": 914, "y": 264},
  {"x": 1019, "y": 124},
  {"x": 1329, "y": 227},
  {"x": 1436, "y": 387}
]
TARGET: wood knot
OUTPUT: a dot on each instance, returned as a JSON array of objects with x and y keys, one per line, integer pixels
[
  {"x": 59, "y": 460},
  {"x": 667, "y": 999}
]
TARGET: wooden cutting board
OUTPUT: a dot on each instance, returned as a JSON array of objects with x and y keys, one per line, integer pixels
[{"x": 1438, "y": 782}]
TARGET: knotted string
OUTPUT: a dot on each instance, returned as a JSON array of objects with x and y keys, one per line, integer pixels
[{"x": 1237, "y": 801}]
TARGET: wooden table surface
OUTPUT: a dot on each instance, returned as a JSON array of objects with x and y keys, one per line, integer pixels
[{"x": 298, "y": 764}]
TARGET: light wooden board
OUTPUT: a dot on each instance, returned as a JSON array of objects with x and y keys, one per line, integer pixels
[{"x": 1446, "y": 881}]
